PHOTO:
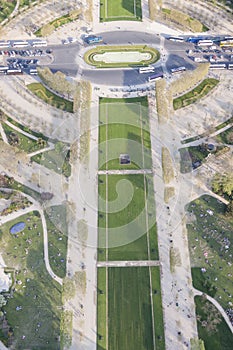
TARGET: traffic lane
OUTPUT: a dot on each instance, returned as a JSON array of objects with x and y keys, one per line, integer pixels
[
  {"x": 177, "y": 46},
  {"x": 65, "y": 54},
  {"x": 68, "y": 69},
  {"x": 115, "y": 77},
  {"x": 175, "y": 61},
  {"x": 129, "y": 37}
]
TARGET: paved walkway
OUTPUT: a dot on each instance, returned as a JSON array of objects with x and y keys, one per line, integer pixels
[
  {"x": 35, "y": 206},
  {"x": 46, "y": 254},
  {"x": 206, "y": 137},
  {"x": 43, "y": 150},
  {"x": 136, "y": 263},
  {"x": 218, "y": 306},
  {"x": 16, "y": 128},
  {"x": 83, "y": 200},
  {"x": 3, "y": 347},
  {"x": 15, "y": 11},
  {"x": 3, "y": 134},
  {"x": 125, "y": 172}
]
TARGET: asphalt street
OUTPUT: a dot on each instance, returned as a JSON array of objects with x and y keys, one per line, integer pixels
[{"x": 68, "y": 58}]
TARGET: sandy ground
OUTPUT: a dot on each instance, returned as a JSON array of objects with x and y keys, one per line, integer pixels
[{"x": 210, "y": 111}]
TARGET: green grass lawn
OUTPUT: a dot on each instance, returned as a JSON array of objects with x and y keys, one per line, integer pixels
[
  {"x": 190, "y": 155},
  {"x": 56, "y": 159},
  {"x": 23, "y": 142},
  {"x": 158, "y": 311},
  {"x": 58, "y": 22},
  {"x": 26, "y": 129},
  {"x": 197, "y": 93},
  {"x": 127, "y": 230},
  {"x": 101, "y": 309},
  {"x": 124, "y": 128},
  {"x": 48, "y": 97},
  {"x": 11, "y": 183},
  {"x": 226, "y": 136},
  {"x": 89, "y": 56},
  {"x": 210, "y": 244},
  {"x": 129, "y": 309},
  {"x": 6, "y": 8},
  {"x": 116, "y": 10},
  {"x": 217, "y": 337},
  {"x": 130, "y": 240},
  {"x": 57, "y": 238},
  {"x": 193, "y": 154},
  {"x": 35, "y": 291}
]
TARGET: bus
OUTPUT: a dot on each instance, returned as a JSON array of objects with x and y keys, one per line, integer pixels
[
  {"x": 33, "y": 71},
  {"x": 155, "y": 77},
  {"x": 148, "y": 69},
  {"x": 218, "y": 66},
  {"x": 4, "y": 44},
  {"x": 226, "y": 43},
  {"x": 178, "y": 70},
  {"x": 12, "y": 71},
  {"x": 38, "y": 43},
  {"x": 174, "y": 38},
  {"x": 19, "y": 44},
  {"x": 205, "y": 43},
  {"x": 3, "y": 69},
  {"x": 92, "y": 39},
  {"x": 194, "y": 39}
]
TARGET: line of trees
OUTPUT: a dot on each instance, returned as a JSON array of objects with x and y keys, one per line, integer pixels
[
  {"x": 48, "y": 28},
  {"x": 161, "y": 99},
  {"x": 182, "y": 19},
  {"x": 223, "y": 183},
  {"x": 56, "y": 81},
  {"x": 189, "y": 79}
]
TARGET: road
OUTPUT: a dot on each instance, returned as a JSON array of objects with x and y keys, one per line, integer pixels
[{"x": 67, "y": 58}]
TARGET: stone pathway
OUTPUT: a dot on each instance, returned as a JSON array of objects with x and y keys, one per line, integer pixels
[
  {"x": 125, "y": 172},
  {"x": 132, "y": 263}
]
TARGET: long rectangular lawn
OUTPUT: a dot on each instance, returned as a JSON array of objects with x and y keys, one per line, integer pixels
[
  {"x": 129, "y": 309},
  {"x": 113, "y": 10},
  {"x": 126, "y": 217},
  {"x": 124, "y": 129}
]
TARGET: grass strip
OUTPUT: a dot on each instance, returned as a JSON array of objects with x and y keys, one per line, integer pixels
[
  {"x": 116, "y": 10},
  {"x": 50, "y": 98},
  {"x": 158, "y": 309},
  {"x": 196, "y": 94},
  {"x": 89, "y": 56},
  {"x": 101, "y": 309}
]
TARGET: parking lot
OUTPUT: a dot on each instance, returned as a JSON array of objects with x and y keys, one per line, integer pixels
[{"x": 25, "y": 60}]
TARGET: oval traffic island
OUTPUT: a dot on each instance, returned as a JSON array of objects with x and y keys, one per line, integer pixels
[{"x": 121, "y": 56}]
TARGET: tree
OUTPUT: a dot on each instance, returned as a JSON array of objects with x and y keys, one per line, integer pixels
[
  {"x": 230, "y": 137},
  {"x": 3, "y": 301},
  {"x": 229, "y": 210},
  {"x": 56, "y": 82},
  {"x": 161, "y": 99},
  {"x": 47, "y": 29},
  {"x": 223, "y": 183},
  {"x": 189, "y": 79},
  {"x": 75, "y": 14}
]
